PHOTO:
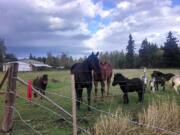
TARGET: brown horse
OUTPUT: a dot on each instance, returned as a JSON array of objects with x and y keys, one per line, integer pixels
[{"x": 106, "y": 74}]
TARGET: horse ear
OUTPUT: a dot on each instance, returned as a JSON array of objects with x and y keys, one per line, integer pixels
[{"x": 97, "y": 53}]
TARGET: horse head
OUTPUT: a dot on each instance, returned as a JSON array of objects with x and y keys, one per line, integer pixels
[
  {"x": 93, "y": 62},
  {"x": 45, "y": 79},
  {"x": 118, "y": 78}
]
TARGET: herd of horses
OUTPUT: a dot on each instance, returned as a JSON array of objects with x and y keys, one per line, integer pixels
[{"x": 102, "y": 71}]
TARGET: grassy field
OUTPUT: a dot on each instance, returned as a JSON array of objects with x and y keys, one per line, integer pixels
[{"x": 48, "y": 123}]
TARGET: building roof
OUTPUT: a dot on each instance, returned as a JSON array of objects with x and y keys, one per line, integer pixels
[
  {"x": 19, "y": 62},
  {"x": 30, "y": 61},
  {"x": 27, "y": 65},
  {"x": 42, "y": 65}
]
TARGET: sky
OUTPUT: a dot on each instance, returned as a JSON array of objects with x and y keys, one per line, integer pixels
[{"x": 78, "y": 27}]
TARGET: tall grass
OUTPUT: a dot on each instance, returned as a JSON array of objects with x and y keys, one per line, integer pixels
[{"x": 162, "y": 114}]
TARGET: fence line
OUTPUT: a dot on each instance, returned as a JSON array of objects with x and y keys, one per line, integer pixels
[
  {"x": 99, "y": 110},
  {"x": 12, "y": 107},
  {"x": 131, "y": 121},
  {"x": 57, "y": 114},
  {"x": 54, "y": 93}
]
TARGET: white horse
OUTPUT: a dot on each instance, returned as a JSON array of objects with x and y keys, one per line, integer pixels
[
  {"x": 175, "y": 82},
  {"x": 145, "y": 80},
  {"x": 152, "y": 85}
]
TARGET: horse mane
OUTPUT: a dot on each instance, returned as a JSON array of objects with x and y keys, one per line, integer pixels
[{"x": 122, "y": 76}]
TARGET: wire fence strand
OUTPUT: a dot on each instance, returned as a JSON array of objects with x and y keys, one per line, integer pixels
[
  {"x": 55, "y": 113},
  {"x": 26, "y": 122},
  {"x": 131, "y": 121}
]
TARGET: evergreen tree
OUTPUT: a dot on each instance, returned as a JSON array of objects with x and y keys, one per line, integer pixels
[
  {"x": 171, "y": 51},
  {"x": 130, "y": 52},
  {"x": 148, "y": 54},
  {"x": 122, "y": 60},
  {"x": 2, "y": 53},
  {"x": 30, "y": 56},
  {"x": 10, "y": 57},
  {"x": 49, "y": 60}
]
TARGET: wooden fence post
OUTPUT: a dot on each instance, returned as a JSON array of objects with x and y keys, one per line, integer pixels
[
  {"x": 7, "y": 123},
  {"x": 4, "y": 78},
  {"x": 73, "y": 106}
]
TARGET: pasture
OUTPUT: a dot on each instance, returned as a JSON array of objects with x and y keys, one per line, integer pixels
[{"x": 47, "y": 123}]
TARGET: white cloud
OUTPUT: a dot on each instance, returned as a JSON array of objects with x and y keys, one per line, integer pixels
[
  {"x": 151, "y": 19},
  {"x": 66, "y": 22},
  {"x": 123, "y": 5}
]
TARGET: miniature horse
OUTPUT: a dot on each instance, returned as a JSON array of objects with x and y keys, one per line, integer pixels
[
  {"x": 129, "y": 85},
  {"x": 83, "y": 77},
  {"x": 40, "y": 84},
  {"x": 106, "y": 74}
]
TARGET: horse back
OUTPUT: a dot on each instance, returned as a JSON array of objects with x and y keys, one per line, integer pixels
[
  {"x": 37, "y": 82},
  {"x": 75, "y": 68},
  {"x": 81, "y": 73},
  {"x": 168, "y": 76},
  {"x": 106, "y": 72},
  {"x": 176, "y": 79},
  {"x": 135, "y": 81}
]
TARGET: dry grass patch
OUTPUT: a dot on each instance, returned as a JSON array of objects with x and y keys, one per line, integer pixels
[{"x": 164, "y": 115}]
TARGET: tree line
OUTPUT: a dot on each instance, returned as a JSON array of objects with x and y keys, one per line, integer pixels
[
  {"x": 4, "y": 56},
  {"x": 149, "y": 55}
]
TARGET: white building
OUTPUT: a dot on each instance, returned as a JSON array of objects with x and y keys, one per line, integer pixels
[
  {"x": 28, "y": 65},
  {"x": 22, "y": 66}
]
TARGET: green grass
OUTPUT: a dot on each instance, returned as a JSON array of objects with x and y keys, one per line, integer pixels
[{"x": 49, "y": 124}]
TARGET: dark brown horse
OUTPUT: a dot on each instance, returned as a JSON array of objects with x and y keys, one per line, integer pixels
[{"x": 106, "y": 74}]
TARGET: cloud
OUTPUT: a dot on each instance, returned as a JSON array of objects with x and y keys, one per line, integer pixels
[
  {"x": 150, "y": 19},
  {"x": 80, "y": 26},
  {"x": 43, "y": 23}
]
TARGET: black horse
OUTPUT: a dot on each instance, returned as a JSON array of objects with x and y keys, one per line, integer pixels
[
  {"x": 83, "y": 76},
  {"x": 161, "y": 78},
  {"x": 129, "y": 85}
]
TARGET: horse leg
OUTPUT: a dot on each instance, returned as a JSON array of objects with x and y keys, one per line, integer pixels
[
  {"x": 96, "y": 89},
  {"x": 43, "y": 92},
  {"x": 153, "y": 89},
  {"x": 102, "y": 90},
  {"x": 176, "y": 89},
  {"x": 89, "y": 97},
  {"x": 108, "y": 85},
  {"x": 78, "y": 98},
  {"x": 163, "y": 86},
  {"x": 80, "y": 94},
  {"x": 140, "y": 95},
  {"x": 125, "y": 97},
  {"x": 156, "y": 86},
  {"x": 35, "y": 94}
]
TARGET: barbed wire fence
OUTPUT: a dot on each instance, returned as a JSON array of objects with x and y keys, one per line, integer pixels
[
  {"x": 113, "y": 115},
  {"x": 71, "y": 123}
]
